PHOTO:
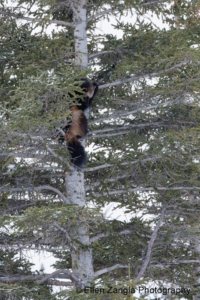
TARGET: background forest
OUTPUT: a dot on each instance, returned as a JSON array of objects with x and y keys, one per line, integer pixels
[{"x": 143, "y": 149}]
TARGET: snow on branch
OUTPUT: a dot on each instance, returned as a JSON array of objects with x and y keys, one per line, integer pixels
[
  {"x": 150, "y": 245},
  {"x": 106, "y": 270}
]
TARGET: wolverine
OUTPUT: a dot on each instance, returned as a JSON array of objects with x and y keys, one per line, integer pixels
[{"x": 78, "y": 127}]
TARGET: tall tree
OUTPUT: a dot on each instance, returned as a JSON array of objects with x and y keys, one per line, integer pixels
[{"x": 145, "y": 149}]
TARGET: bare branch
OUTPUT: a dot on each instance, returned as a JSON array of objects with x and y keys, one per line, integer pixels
[
  {"x": 101, "y": 235},
  {"x": 62, "y": 273},
  {"x": 152, "y": 2},
  {"x": 65, "y": 232},
  {"x": 18, "y": 208},
  {"x": 36, "y": 189},
  {"x": 20, "y": 278},
  {"x": 46, "y": 147},
  {"x": 104, "y": 12},
  {"x": 100, "y": 53},
  {"x": 54, "y": 275},
  {"x": 60, "y": 283},
  {"x": 150, "y": 245},
  {"x": 94, "y": 133},
  {"x": 141, "y": 189},
  {"x": 169, "y": 264},
  {"x": 138, "y": 77},
  {"x": 120, "y": 114},
  {"x": 121, "y": 164},
  {"x": 106, "y": 270},
  {"x": 7, "y": 12},
  {"x": 117, "y": 9}
]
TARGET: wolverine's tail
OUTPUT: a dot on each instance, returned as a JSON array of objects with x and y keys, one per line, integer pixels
[{"x": 77, "y": 151}]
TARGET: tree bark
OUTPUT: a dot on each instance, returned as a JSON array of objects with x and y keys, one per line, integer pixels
[{"x": 82, "y": 263}]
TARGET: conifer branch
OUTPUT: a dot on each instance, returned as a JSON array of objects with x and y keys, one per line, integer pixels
[
  {"x": 8, "y": 13},
  {"x": 120, "y": 114},
  {"x": 150, "y": 2},
  {"x": 102, "y": 235},
  {"x": 100, "y": 53},
  {"x": 36, "y": 189},
  {"x": 138, "y": 77},
  {"x": 104, "y": 12},
  {"x": 117, "y": 9},
  {"x": 61, "y": 273},
  {"x": 121, "y": 164},
  {"x": 69, "y": 275},
  {"x": 64, "y": 231},
  {"x": 12, "y": 279},
  {"x": 94, "y": 133},
  {"x": 60, "y": 283},
  {"x": 169, "y": 264},
  {"x": 150, "y": 245},
  {"x": 142, "y": 189},
  {"x": 106, "y": 270}
]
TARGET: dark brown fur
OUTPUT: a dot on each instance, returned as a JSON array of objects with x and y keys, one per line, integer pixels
[{"x": 79, "y": 126}]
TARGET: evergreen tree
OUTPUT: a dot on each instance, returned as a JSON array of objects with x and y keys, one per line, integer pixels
[{"x": 144, "y": 133}]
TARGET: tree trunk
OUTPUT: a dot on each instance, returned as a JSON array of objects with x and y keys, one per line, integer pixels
[{"x": 82, "y": 263}]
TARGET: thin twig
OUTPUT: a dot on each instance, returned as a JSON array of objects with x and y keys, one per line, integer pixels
[
  {"x": 106, "y": 270},
  {"x": 150, "y": 245}
]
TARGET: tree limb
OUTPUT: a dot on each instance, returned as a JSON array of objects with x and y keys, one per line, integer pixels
[
  {"x": 120, "y": 114},
  {"x": 150, "y": 245},
  {"x": 62, "y": 273},
  {"x": 152, "y": 2},
  {"x": 64, "y": 231},
  {"x": 101, "y": 235},
  {"x": 100, "y": 53},
  {"x": 169, "y": 264},
  {"x": 106, "y": 270},
  {"x": 54, "y": 274},
  {"x": 20, "y": 278},
  {"x": 7, "y": 12},
  {"x": 104, "y": 12},
  {"x": 36, "y": 189},
  {"x": 138, "y": 77},
  {"x": 94, "y": 133},
  {"x": 141, "y": 189},
  {"x": 60, "y": 283},
  {"x": 121, "y": 164},
  {"x": 108, "y": 11}
]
